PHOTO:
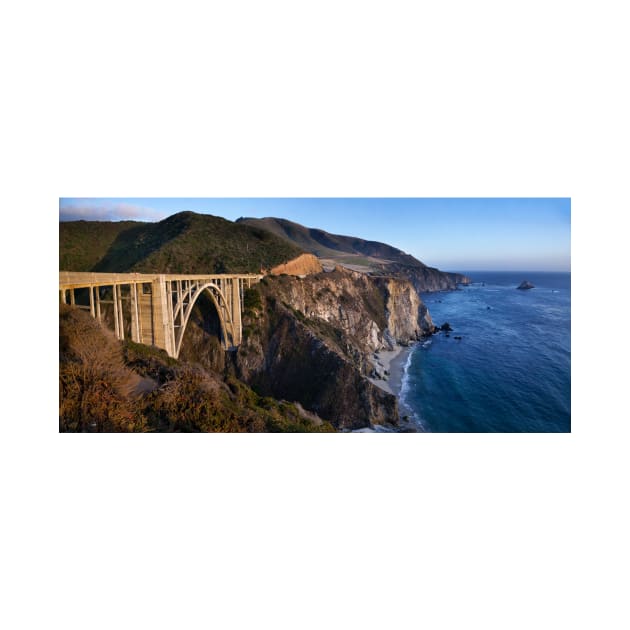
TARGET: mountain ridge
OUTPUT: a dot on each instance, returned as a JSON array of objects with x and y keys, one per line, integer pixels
[
  {"x": 373, "y": 257},
  {"x": 324, "y": 244}
]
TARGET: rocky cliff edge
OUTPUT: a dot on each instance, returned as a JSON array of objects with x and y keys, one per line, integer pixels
[{"x": 312, "y": 340}]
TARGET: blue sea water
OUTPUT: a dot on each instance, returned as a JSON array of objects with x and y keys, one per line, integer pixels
[{"x": 510, "y": 372}]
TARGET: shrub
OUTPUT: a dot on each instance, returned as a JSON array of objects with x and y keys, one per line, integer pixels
[{"x": 252, "y": 299}]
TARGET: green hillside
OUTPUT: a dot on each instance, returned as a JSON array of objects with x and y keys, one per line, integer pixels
[
  {"x": 183, "y": 243},
  {"x": 326, "y": 245},
  {"x": 82, "y": 244}
]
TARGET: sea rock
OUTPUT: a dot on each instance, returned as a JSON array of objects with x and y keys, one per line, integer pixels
[
  {"x": 446, "y": 327},
  {"x": 526, "y": 284},
  {"x": 378, "y": 371}
]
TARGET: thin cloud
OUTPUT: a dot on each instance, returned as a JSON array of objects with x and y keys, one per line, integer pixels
[{"x": 108, "y": 211}]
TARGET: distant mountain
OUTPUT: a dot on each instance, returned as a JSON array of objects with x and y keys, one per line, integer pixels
[
  {"x": 355, "y": 253},
  {"x": 183, "y": 243},
  {"x": 331, "y": 246}
]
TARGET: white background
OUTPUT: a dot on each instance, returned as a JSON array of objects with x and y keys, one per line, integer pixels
[{"x": 314, "y": 99}]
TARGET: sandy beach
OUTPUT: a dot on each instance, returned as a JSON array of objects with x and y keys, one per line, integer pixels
[{"x": 393, "y": 361}]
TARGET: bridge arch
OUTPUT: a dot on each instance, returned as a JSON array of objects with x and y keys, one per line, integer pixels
[{"x": 221, "y": 305}]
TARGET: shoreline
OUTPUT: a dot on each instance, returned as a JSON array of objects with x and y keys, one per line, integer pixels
[{"x": 393, "y": 361}]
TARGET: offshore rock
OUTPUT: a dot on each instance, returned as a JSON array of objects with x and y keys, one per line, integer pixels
[{"x": 526, "y": 284}]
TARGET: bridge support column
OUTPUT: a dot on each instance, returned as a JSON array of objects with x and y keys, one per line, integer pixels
[
  {"x": 116, "y": 318},
  {"x": 98, "y": 303},
  {"x": 237, "y": 324},
  {"x": 135, "y": 314},
  {"x": 121, "y": 322},
  {"x": 163, "y": 325}
]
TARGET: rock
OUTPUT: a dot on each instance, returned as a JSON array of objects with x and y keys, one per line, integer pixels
[
  {"x": 378, "y": 372},
  {"x": 458, "y": 338},
  {"x": 526, "y": 284},
  {"x": 446, "y": 327}
]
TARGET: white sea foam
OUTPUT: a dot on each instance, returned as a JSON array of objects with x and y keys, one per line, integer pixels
[
  {"x": 404, "y": 381},
  {"x": 404, "y": 391}
]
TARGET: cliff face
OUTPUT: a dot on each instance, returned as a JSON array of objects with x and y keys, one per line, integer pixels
[
  {"x": 312, "y": 340},
  {"x": 427, "y": 279},
  {"x": 292, "y": 360},
  {"x": 407, "y": 317}
]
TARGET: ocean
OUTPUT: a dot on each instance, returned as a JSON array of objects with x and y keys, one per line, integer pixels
[{"x": 511, "y": 369}]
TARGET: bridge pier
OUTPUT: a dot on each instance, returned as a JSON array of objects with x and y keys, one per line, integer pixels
[
  {"x": 237, "y": 326},
  {"x": 135, "y": 315},
  {"x": 163, "y": 324}
]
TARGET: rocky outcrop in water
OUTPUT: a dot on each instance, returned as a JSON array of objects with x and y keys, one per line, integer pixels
[{"x": 526, "y": 284}]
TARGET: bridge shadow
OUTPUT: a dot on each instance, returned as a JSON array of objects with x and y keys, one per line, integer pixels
[
  {"x": 203, "y": 336},
  {"x": 138, "y": 242}
]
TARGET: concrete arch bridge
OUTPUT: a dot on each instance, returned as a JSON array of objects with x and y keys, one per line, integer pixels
[{"x": 157, "y": 307}]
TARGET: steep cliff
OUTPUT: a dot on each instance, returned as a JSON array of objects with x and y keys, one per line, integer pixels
[
  {"x": 425, "y": 279},
  {"x": 407, "y": 317},
  {"x": 312, "y": 340}
]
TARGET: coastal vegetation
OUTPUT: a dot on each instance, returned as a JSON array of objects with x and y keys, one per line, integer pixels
[
  {"x": 83, "y": 244},
  {"x": 112, "y": 386}
]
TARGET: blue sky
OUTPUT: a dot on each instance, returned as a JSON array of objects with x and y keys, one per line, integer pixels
[{"x": 454, "y": 234}]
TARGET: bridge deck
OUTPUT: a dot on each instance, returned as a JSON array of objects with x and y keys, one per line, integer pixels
[{"x": 81, "y": 279}]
